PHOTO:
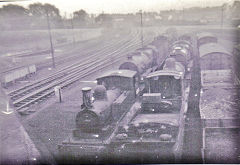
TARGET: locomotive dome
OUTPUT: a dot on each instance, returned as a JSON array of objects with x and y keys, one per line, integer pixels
[{"x": 100, "y": 92}]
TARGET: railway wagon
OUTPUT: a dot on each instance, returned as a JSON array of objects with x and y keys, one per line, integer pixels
[
  {"x": 98, "y": 117},
  {"x": 142, "y": 61},
  {"x": 186, "y": 37},
  {"x": 148, "y": 58},
  {"x": 155, "y": 134},
  {"x": 236, "y": 56},
  {"x": 206, "y": 37},
  {"x": 214, "y": 56},
  {"x": 219, "y": 105}
]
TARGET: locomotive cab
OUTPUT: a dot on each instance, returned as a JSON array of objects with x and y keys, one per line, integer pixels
[
  {"x": 125, "y": 80},
  {"x": 169, "y": 86}
]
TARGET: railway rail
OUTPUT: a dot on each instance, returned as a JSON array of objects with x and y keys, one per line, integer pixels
[
  {"x": 38, "y": 91},
  {"x": 84, "y": 49},
  {"x": 63, "y": 71}
]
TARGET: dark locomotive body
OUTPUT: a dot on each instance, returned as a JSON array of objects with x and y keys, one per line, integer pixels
[
  {"x": 156, "y": 131},
  {"x": 100, "y": 111},
  {"x": 113, "y": 97}
]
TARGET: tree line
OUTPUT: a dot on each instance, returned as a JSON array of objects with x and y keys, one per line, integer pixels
[
  {"x": 34, "y": 16},
  {"x": 15, "y": 17}
]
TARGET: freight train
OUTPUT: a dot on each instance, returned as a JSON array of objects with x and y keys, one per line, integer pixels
[
  {"x": 236, "y": 56},
  {"x": 156, "y": 132},
  {"x": 112, "y": 98},
  {"x": 219, "y": 103}
]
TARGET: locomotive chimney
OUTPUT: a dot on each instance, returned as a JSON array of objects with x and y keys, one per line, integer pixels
[{"x": 86, "y": 91}]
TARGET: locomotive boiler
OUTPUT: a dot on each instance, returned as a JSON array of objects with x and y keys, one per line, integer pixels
[
  {"x": 181, "y": 51},
  {"x": 100, "y": 112},
  {"x": 147, "y": 59},
  {"x": 142, "y": 61},
  {"x": 97, "y": 114}
]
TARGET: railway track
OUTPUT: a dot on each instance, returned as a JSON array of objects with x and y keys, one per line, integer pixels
[
  {"x": 38, "y": 91},
  {"x": 88, "y": 56},
  {"x": 69, "y": 50},
  {"x": 89, "y": 49},
  {"x": 85, "y": 50},
  {"x": 26, "y": 89}
]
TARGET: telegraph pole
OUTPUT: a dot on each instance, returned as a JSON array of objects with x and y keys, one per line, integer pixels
[
  {"x": 183, "y": 14},
  {"x": 50, "y": 38},
  {"x": 74, "y": 41},
  {"x": 141, "y": 28},
  {"x": 222, "y": 17}
]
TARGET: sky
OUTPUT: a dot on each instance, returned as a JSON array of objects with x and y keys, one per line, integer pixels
[{"x": 120, "y": 6}]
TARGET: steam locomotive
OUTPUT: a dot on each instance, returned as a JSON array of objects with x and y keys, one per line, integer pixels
[
  {"x": 115, "y": 94},
  {"x": 156, "y": 131}
]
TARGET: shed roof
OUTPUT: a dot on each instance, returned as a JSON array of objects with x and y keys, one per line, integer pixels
[
  {"x": 212, "y": 48},
  {"x": 165, "y": 73},
  {"x": 204, "y": 34},
  {"x": 121, "y": 73}
]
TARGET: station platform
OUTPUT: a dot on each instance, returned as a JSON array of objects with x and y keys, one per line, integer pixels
[{"x": 16, "y": 147}]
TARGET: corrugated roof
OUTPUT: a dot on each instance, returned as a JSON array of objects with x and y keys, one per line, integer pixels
[
  {"x": 212, "y": 48},
  {"x": 122, "y": 73},
  {"x": 165, "y": 73},
  {"x": 204, "y": 34}
]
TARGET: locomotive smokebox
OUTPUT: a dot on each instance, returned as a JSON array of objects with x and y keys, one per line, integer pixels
[{"x": 86, "y": 91}]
